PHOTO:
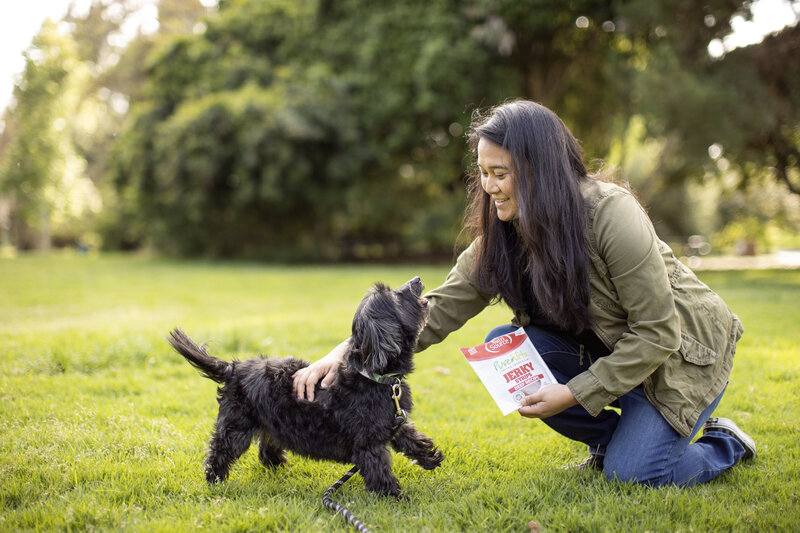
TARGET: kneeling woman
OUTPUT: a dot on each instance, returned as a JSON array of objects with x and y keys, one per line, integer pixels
[{"x": 618, "y": 319}]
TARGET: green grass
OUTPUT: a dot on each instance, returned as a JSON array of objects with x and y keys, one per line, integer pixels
[{"x": 103, "y": 427}]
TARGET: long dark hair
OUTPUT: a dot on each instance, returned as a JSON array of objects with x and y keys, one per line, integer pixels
[{"x": 539, "y": 259}]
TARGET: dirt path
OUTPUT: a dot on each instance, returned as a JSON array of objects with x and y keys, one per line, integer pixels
[{"x": 781, "y": 259}]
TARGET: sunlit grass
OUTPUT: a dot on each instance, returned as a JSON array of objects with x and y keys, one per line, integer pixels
[{"x": 104, "y": 427}]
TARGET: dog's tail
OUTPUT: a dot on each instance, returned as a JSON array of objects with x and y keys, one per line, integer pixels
[{"x": 211, "y": 367}]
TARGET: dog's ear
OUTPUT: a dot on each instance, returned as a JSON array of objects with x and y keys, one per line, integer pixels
[{"x": 377, "y": 345}]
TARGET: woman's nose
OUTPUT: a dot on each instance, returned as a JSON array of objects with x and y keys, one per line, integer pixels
[{"x": 490, "y": 185}]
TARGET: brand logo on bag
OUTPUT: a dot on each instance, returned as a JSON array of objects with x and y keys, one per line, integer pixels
[
  {"x": 496, "y": 347},
  {"x": 499, "y": 342}
]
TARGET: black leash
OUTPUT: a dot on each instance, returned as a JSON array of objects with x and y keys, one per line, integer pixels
[
  {"x": 326, "y": 501},
  {"x": 400, "y": 418}
]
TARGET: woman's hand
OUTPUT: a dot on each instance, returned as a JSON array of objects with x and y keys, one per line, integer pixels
[
  {"x": 549, "y": 401},
  {"x": 305, "y": 379}
]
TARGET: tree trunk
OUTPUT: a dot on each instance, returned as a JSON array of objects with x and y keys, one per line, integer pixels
[
  {"x": 45, "y": 243},
  {"x": 5, "y": 221}
]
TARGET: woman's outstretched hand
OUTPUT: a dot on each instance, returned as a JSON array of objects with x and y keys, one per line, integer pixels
[
  {"x": 306, "y": 379},
  {"x": 549, "y": 401}
]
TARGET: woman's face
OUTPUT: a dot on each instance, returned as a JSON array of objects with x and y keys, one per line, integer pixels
[{"x": 496, "y": 179}]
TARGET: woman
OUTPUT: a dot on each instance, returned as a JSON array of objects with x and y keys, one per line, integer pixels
[{"x": 620, "y": 322}]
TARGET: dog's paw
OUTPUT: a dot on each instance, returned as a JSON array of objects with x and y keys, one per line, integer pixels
[
  {"x": 271, "y": 463},
  {"x": 391, "y": 488},
  {"x": 431, "y": 460},
  {"x": 395, "y": 493},
  {"x": 213, "y": 478}
]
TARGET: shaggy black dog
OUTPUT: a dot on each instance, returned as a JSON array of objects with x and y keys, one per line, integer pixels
[{"x": 352, "y": 421}]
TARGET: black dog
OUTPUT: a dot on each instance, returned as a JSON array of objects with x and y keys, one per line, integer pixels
[{"x": 352, "y": 421}]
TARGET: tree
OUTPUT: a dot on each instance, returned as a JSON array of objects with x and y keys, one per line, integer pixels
[
  {"x": 352, "y": 113},
  {"x": 742, "y": 109},
  {"x": 37, "y": 165},
  {"x": 777, "y": 144},
  {"x": 299, "y": 115},
  {"x": 68, "y": 108},
  {"x": 383, "y": 92},
  {"x": 118, "y": 64}
]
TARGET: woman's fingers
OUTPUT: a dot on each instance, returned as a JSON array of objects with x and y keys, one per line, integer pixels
[{"x": 304, "y": 381}]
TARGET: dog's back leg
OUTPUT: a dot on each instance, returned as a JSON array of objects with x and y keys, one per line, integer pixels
[
  {"x": 269, "y": 452},
  {"x": 417, "y": 446},
  {"x": 375, "y": 465},
  {"x": 232, "y": 436}
]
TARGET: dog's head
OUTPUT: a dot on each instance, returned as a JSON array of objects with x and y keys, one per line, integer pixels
[{"x": 385, "y": 328}]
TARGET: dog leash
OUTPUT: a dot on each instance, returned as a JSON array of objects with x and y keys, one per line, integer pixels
[
  {"x": 400, "y": 418},
  {"x": 326, "y": 501}
]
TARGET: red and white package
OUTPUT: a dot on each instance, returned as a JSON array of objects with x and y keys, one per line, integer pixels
[{"x": 510, "y": 368}]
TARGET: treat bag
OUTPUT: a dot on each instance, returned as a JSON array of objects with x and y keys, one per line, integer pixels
[{"x": 510, "y": 368}]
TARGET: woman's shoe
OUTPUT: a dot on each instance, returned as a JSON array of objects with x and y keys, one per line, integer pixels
[
  {"x": 593, "y": 462},
  {"x": 728, "y": 427}
]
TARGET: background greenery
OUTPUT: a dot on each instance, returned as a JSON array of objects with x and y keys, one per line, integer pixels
[
  {"x": 104, "y": 427},
  {"x": 311, "y": 130},
  {"x": 328, "y": 130}
]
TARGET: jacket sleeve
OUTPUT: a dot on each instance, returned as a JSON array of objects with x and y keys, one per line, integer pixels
[
  {"x": 627, "y": 243},
  {"x": 454, "y": 302}
]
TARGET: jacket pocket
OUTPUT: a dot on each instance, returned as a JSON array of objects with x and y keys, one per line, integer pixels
[{"x": 693, "y": 351}]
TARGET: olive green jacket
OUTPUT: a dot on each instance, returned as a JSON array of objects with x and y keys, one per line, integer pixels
[{"x": 666, "y": 330}]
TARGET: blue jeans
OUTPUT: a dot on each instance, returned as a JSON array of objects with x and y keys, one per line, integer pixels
[{"x": 638, "y": 443}]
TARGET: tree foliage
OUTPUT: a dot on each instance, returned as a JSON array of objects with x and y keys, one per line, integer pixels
[
  {"x": 66, "y": 113},
  {"x": 306, "y": 130},
  {"x": 38, "y": 166},
  {"x": 747, "y": 104},
  {"x": 335, "y": 129}
]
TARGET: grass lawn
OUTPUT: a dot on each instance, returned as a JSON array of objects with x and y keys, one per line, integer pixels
[{"x": 103, "y": 427}]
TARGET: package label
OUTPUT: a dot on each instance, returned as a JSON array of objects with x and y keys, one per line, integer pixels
[{"x": 510, "y": 368}]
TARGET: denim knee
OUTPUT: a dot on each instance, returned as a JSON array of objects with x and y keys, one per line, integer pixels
[
  {"x": 632, "y": 472},
  {"x": 500, "y": 330}
]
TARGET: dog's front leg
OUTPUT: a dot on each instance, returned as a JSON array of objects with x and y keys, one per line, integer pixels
[
  {"x": 375, "y": 465},
  {"x": 417, "y": 447}
]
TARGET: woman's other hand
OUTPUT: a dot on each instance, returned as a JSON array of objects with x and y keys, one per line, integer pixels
[{"x": 549, "y": 401}]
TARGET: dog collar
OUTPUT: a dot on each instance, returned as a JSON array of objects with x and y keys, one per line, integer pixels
[
  {"x": 385, "y": 379},
  {"x": 395, "y": 380}
]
